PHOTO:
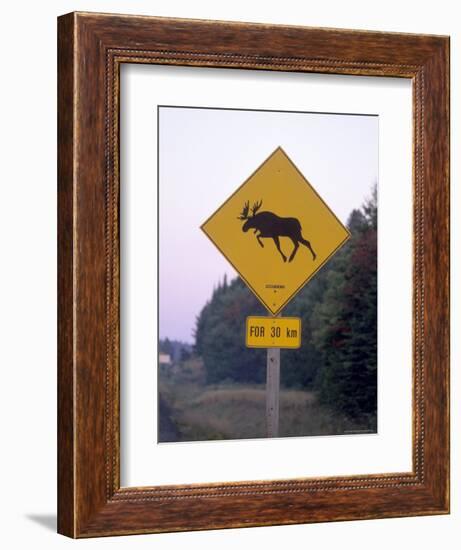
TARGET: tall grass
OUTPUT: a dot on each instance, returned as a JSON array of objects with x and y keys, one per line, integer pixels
[{"x": 233, "y": 411}]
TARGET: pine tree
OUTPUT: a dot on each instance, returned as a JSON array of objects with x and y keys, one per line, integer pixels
[
  {"x": 220, "y": 335},
  {"x": 346, "y": 319}
]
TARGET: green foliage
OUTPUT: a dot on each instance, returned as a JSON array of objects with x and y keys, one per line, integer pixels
[
  {"x": 220, "y": 335},
  {"x": 166, "y": 346},
  {"x": 346, "y": 322},
  {"x": 178, "y": 351},
  {"x": 338, "y": 310}
]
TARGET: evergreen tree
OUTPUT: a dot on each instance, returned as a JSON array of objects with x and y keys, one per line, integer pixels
[
  {"x": 346, "y": 321},
  {"x": 220, "y": 335}
]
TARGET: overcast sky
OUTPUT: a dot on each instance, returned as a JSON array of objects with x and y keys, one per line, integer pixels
[{"x": 205, "y": 154}]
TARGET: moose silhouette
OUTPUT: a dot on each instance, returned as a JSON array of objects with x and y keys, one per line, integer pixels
[{"x": 268, "y": 225}]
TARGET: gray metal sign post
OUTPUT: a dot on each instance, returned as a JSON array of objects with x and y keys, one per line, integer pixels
[{"x": 272, "y": 391}]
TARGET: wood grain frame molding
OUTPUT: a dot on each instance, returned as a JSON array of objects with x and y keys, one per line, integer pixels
[{"x": 91, "y": 49}]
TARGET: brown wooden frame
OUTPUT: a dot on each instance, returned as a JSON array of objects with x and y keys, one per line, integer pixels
[{"x": 91, "y": 49}]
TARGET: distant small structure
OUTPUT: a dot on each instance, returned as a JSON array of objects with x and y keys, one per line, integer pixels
[{"x": 164, "y": 359}]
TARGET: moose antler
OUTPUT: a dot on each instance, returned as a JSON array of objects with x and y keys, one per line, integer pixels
[
  {"x": 244, "y": 214},
  {"x": 256, "y": 206}
]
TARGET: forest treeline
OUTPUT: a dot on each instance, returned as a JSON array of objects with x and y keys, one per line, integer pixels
[{"x": 338, "y": 308}]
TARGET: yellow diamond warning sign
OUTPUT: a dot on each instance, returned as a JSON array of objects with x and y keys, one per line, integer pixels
[{"x": 276, "y": 231}]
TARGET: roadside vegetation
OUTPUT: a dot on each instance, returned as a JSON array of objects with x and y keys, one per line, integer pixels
[{"x": 216, "y": 388}]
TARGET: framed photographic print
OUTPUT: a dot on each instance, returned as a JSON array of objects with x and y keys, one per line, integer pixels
[{"x": 253, "y": 275}]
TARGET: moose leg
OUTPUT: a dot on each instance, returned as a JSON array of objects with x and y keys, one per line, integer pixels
[
  {"x": 259, "y": 240},
  {"x": 308, "y": 245},
  {"x": 295, "y": 249},
  {"x": 277, "y": 244}
]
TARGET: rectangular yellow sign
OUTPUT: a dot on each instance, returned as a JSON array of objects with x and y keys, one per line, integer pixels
[{"x": 273, "y": 332}]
